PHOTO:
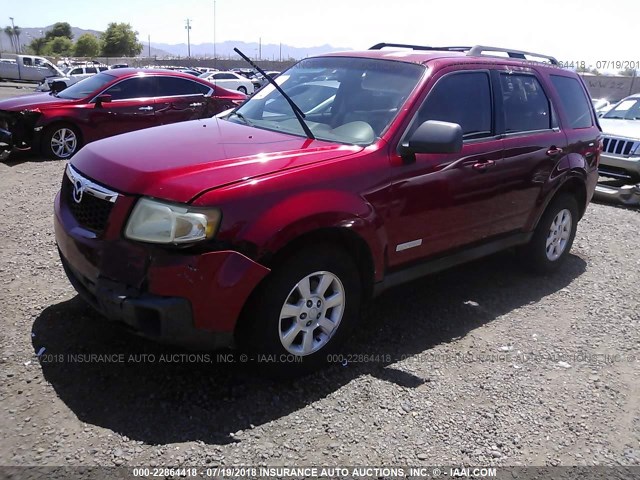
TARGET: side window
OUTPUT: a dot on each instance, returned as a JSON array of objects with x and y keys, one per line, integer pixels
[
  {"x": 133, "y": 88},
  {"x": 225, "y": 76},
  {"x": 27, "y": 61},
  {"x": 573, "y": 100},
  {"x": 462, "y": 98},
  {"x": 173, "y": 86},
  {"x": 526, "y": 106},
  {"x": 76, "y": 71},
  {"x": 91, "y": 70}
]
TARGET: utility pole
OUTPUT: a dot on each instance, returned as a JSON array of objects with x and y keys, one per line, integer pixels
[
  {"x": 13, "y": 32},
  {"x": 260, "y": 48},
  {"x": 280, "y": 51},
  {"x": 149, "y": 43},
  {"x": 214, "y": 33},
  {"x": 188, "y": 27}
]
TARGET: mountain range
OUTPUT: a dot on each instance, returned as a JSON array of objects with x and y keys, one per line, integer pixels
[{"x": 223, "y": 50}]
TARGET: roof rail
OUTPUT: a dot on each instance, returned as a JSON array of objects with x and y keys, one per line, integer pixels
[
  {"x": 478, "y": 50},
  {"x": 380, "y": 46},
  {"x": 475, "y": 51}
]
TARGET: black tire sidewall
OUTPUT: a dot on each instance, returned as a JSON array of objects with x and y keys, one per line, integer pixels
[
  {"x": 536, "y": 251},
  {"x": 48, "y": 135},
  {"x": 260, "y": 334}
]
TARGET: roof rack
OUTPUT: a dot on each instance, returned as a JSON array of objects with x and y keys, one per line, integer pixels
[
  {"x": 478, "y": 50},
  {"x": 475, "y": 51},
  {"x": 380, "y": 46}
]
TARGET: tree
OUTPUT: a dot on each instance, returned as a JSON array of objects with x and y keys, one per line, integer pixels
[
  {"x": 59, "y": 29},
  {"x": 59, "y": 47},
  {"x": 585, "y": 69},
  {"x": 87, "y": 46},
  {"x": 10, "y": 32},
  {"x": 120, "y": 40},
  {"x": 37, "y": 46},
  {"x": 628, "y": 72}
]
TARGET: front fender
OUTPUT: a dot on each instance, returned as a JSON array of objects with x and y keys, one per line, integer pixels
[{"x": 306, "y": 212}]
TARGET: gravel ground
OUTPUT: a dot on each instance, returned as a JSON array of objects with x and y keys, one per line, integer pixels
[{"x": 482, "y": 364}]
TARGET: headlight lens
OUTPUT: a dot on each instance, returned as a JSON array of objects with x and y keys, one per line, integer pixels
[{"x": 158, "y": 222}]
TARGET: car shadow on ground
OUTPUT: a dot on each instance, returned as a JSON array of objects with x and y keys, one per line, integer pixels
[{"x": 161, "y": 403}]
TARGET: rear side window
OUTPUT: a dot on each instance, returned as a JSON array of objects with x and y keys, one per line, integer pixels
[
  {"x": 526, "y": 106},
  {"x": 462, "y": 98},
  {"x": 173, "y": 86},
  {"x": 574, "y": 101}
]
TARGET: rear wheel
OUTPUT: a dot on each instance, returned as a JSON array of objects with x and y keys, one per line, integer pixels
[
  {"x": 60, "y": 141},
  {"x": 303, "y": 311},
  {"x": 553, "y": 237},
  {"x": 243, "y": 90}
]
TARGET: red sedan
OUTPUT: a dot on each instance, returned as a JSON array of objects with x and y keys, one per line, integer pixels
[{"x": 107, "y": 104}]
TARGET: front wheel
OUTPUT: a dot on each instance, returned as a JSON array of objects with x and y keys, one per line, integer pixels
[
  {"x": 303, "y": 312},
  {"x": 242, "y": 90},
  {"x": 553, "y": 237},
  {"x": 60, "y": 141}
]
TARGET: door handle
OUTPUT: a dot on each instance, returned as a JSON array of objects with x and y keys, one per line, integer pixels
[
  {"x": 146, "y": 109},
  {"x": 198, "y": 104},
  {"x": 553, "y": 151},
  {"x": 483, "y": 165}
]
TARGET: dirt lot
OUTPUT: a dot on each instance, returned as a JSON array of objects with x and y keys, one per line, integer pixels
[{"x": 483, "y": 364}]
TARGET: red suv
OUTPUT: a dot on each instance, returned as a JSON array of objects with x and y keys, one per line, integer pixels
[
  {"x": 270, "y": 227},
  {"x": 106, "y": 104}
]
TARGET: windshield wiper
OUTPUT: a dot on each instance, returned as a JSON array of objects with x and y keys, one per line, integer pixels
[{"x": 296, "y": 109}]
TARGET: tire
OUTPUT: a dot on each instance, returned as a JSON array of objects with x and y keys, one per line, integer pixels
[
  {"x": 298, "y": 330},
  {"x": 242, "y": 90},
  {"x": 54, "y": 134},
  {"x": 553, "y": 236}
]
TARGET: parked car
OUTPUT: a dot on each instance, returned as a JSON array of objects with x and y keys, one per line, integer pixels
[
  {"x": 601, "y": 106},
  {"x": 28, "y": 68},
  {"x": 621, "y": 141},
  {"x": 271, "y": 230},
  {"x": 258, "y": 79},
  {"x": 119, "y": 65},
  {"x": 71, "y": 76},
  {"x": 106, "y": 104},
  {"x": 229, "y": 80}
]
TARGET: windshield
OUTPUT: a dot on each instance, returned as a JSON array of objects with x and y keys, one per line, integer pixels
[
  {"x": 625, "y": 110},
  {"x": 86, "y": 87},
  {"x": 347, "y": 100}
]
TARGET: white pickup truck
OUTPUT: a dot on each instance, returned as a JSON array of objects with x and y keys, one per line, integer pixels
[
  {"x": 72, "y": 75},
  {"x": 27, "y": 68}
]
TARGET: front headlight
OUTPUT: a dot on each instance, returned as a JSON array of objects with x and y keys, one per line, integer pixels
[{"x": 158, "y": 222}]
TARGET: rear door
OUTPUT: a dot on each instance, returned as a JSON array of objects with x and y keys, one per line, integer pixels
[
  {"x": 181, "y": 99},
  {"x": 533, "y": 145},
  {"x": 132, "y": 107}
]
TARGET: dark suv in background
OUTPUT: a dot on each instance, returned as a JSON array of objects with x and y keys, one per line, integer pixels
[{"x": 270, "y": 227}]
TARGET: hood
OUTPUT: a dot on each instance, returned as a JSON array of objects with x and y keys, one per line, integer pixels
[
  {"x": 177, "y": 162},
  {"x": 620, "y": 128},
  {"x": 34, "y": 100}
]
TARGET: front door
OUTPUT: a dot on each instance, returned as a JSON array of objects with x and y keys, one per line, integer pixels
[
  {"x": 181, "y": 99},
  {"x": 132, "y": 107},
  {"x": 444, "y": 201}
]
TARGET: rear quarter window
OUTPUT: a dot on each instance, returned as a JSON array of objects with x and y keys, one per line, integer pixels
[{"x": 574, "y": 101}]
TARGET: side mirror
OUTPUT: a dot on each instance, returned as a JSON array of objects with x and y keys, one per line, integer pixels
[
  {"x": 104, "y": 98},
  {"x": 57, "y": 86},
  {"x": 433, "y": 136}
]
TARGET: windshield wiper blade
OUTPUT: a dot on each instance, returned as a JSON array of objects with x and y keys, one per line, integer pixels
[{"x": 296, "y": 109}]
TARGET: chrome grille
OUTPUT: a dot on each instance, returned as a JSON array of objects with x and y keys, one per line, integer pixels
[
  {"x": 619, "y": 146},
  {"x": 89, "y": 203}
]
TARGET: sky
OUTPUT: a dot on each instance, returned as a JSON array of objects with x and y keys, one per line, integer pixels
[{"x": 570, "y": 30}]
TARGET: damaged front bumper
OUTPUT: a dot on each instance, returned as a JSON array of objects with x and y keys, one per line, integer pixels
[
  {"x": 626, "y": 194},
  {"x": 18, "y": 131}
]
